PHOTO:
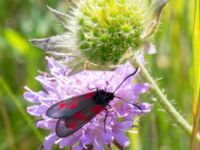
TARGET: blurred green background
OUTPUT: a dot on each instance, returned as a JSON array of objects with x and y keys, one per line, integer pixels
[{"x": 20, "y": 61}]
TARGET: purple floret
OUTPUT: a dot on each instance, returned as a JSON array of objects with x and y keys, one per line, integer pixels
[{"x": 58, "y": 86}]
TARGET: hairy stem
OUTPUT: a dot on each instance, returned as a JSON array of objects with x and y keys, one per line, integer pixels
[{"x": 164, "y": 102}]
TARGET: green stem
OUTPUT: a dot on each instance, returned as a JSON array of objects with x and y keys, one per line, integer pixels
[
  {"x": 8, "y": 91},
  {"x": 164, "y": 102}
]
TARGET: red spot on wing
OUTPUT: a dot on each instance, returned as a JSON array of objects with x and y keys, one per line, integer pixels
[
  {"x": 97, "y": 109},
  {"x": 73, "y": 104},
  {"x": 89, "y": 95},
  {"x": 62, "y": 105},
  {"x": 72, "y": 125},
  {"x": 81, "y": 116}
]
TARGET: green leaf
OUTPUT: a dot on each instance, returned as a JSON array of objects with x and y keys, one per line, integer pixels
[
  {"x": 196, "y": 56},
  {"x": 17, "y": 41}
]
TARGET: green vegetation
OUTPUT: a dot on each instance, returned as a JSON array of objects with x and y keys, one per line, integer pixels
[{"x": 20, "y": 61}]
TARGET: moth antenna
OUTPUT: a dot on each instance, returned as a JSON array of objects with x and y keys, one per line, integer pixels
[
  {"x": 137, "y": 106},
  {"x": 126, "y": 79}
]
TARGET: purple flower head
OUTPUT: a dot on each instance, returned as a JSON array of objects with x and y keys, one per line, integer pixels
[{"x": 58, "y": 86}]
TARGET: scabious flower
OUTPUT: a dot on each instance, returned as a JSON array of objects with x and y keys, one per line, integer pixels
[
  {"x": 102, "y": 34},
  {"x": 58, "y": 86}
]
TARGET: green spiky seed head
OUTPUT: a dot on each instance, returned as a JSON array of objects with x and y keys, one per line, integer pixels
[
  {"x": 105, "y": 29},
  {"x": 102, "y": 34}
]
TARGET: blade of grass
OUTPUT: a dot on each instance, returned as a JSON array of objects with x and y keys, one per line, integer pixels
[
  {"x": 8, "y": 129},
  {"x": 134, "y": 136},
  {"x": 196, "y": 57},
  {"x": 195, "y": 126},
  {"x": 7, "y": 90}
]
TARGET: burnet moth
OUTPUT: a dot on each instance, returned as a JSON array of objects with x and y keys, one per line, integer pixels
[{"x": 75, "y": 112}]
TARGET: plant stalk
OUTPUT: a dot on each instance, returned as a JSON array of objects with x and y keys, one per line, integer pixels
[{"x": 162, "y": 99}]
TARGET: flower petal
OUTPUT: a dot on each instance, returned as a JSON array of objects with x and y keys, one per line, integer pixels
[
  {"x": 140, "y": 88},
  {"x": 97, "y": 145},
  {"x": 47, "y": 124},
  {"x": 70, "y": 140},
  {"x": 37, "y": 110},
  {"x": 49, "y": 141},
  {"x": 122, "y": 139},
  {"x": 31, "y": 97},
  {"x": 149, "y": 48},
  {"x": 77, "y": 147},
  {"x": 146, "y": 107}
]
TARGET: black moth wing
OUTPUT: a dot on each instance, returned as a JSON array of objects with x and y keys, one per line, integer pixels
[
  {"x": 69, "y": 107},
  {"x": 68, "y": 125}
]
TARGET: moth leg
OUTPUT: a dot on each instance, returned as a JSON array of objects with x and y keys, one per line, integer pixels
[
  {"x": 109, "y": 106},
  {"x": 105, "y": 119},
  {"x": 106, "y": 85},
  {"x": 112, "y": 109},
  {"x": 91, "y": 89}
]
